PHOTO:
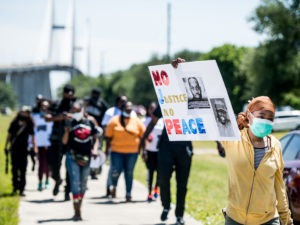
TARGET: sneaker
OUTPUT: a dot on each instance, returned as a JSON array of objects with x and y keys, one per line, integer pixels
[
  {"x": 150, "y": 198},
  {"x": 47, "y": 184},
  {"x": 94, "y": 177},
  {"x": 112, "y": 191},
  {"x": 40, "y": 186},
  {"x": 56, "y": 187},
  {"x": 107, "y": 192},
  {"x": 22, "y": 194},
  {"x": 128, "y": 198},
  {"x": 156, "y": 192},
  {"x": 67, "y": 196},
  {"x": 164, "y": 215},
  {"x": 179, "y": 221}
]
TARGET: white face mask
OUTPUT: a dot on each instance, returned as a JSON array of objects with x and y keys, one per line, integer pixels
[{"x": 78, "y": 116}]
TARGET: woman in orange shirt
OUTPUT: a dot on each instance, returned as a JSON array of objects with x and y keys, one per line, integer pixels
[{"x": 123, "y": 134}]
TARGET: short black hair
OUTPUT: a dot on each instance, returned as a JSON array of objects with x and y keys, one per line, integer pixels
[
  {"x": 69, "y": 88},
  {"x": 96, "y": 91}
]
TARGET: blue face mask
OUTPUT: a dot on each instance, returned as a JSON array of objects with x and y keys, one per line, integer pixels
[
  {"x": 261, "y": 127},
  {"x": 125, "y": 114},
  {"x": 42, "y": 114}
]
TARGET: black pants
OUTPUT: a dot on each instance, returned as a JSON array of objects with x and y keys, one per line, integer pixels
[
  {"x": 174, "y": 157},
  {"x": 32, "y": 156},
  {"x": 19, "y": 165},
  {"x": 54, "y": 156},
  {"x": 151, "y": 164}
]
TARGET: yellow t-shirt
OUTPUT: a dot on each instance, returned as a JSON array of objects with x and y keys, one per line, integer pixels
[{"x": 125, "y": 140}]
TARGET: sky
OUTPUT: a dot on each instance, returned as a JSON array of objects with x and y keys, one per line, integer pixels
[{"x": 126, "y": 32}]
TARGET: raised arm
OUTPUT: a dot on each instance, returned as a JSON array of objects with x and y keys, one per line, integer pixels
[
  {"x": 147, "y": 132},
  {"x": 65, "y": 138}
]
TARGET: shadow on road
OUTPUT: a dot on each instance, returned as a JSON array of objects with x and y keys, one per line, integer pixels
[
  {"x": 111, "y": 202},
  {"x": 55, "y": 220},
  {"x": 42, "y": 201},
  {"x": 101, "y": 197}
]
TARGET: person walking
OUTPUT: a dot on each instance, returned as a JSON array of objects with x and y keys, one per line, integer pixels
[
  {"x": 150, "y": 153},
  {"x": 96, "y": 107},
  {"x": 16, "y": 144},
  {"x": 80, "y": 138},
  {"x": 123, "y": 135},
  {"x": 42, "y": 130},
  {"x": 109, "y": 114},
  {"x": 257, "y": 193},
  {"x": 172, "y": 156},
  {"x": 35, "y": 109},
  {"x": 59, "y": 114}
]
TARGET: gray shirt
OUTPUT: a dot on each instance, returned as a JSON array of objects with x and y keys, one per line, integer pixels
[{"x": 259, "y": 153}]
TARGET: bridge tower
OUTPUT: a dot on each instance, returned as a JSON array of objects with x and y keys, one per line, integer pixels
[
  {"x": 54, "y": 63},
  {"x": 58, "y": 40}
]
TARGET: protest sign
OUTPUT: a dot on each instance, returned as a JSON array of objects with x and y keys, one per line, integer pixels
[{"x": 194, "y": 102}]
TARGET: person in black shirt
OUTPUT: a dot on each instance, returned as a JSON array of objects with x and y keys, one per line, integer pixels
[
  {"x": 55, "y": 153},
  {"x": 175, "y": 156},
  {"x": 17, "y": 138},
  {"x": 96, "y": 107},
  {"x": 81, "y": 140}
]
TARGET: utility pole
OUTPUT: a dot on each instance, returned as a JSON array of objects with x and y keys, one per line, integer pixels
[
  {"x": 102, "y": 55},
  {"x": 168, "y": 31}
]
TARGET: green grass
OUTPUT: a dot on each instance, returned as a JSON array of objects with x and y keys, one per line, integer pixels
[
  {"x": 8, "y": 204},
  {"x": 207, "y": 188},
  {"x": 204, "y": 144}
]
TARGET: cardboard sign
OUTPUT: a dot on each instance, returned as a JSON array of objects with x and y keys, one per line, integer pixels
[{"x": 194, "y": 102}]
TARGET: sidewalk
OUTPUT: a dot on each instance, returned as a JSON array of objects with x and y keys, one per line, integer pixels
[{"x": 43, "y": 208}]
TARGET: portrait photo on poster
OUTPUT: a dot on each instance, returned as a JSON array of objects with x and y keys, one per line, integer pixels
[
  {"x": 222, "y": 118},
  {"x": 196, "y": 94}
]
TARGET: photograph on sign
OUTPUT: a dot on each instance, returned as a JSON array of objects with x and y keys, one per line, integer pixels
[
  {"x": 194, "y": 102},
  {"x": 195, "y": 90},
  {"x": 222, "y": 118}
]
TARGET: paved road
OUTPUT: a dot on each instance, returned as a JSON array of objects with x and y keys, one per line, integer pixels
[{"x": 42, "y": 208}]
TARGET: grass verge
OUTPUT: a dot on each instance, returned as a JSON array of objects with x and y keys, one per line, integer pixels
[
  {"x": 207, "y": 188},
  {"x": 8, "y": 204}
]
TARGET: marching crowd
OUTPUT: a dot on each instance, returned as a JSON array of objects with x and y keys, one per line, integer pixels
[
  {"x": 84, "y": 130},
  {"x": 78, "y": 129}
]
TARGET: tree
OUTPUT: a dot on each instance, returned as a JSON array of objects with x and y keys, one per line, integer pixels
[
  {"x": 275, "y": 65},
  {"x": 230, "y": 59},
  {"x": 8, "y": 97}
]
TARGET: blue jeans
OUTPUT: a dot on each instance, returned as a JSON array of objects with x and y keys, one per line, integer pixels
[
  {"x": 229, "y": 221},
  {"x": 120, "y": 162},
  {"x": 78, "y": 175}
]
